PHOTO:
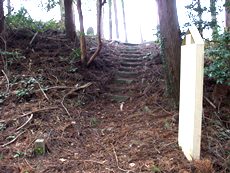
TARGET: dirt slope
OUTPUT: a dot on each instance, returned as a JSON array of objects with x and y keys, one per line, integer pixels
[{"x": 119, "y": 121}]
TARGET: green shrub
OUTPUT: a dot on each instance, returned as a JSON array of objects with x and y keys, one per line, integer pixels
[
  {"x": 219, "y": 54},
  {"x": 22, "y": 19}
]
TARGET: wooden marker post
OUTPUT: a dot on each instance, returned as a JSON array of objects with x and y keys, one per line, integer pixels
[{"x": 191, "y": 94}]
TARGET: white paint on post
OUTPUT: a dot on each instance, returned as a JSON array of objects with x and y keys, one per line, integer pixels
[{"x": 191, "y": 94}]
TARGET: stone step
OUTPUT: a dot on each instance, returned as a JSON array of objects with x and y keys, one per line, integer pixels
[
  {"x": 131, "y": 55},
  {"x": 132, "y": 59},
  {"x": 131, "y": 64},
  {"x": 128, "y": 69},
  {"x": 123, "y": 81},
  {"x": 127, "y": 74},
  {"x": 114, "y": 88},
  {"x": 117, "y": 98}
]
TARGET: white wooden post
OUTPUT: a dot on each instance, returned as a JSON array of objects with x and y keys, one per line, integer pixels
[{"x": 191, "y": 94}]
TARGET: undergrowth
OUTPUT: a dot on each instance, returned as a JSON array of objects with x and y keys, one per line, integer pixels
[{"x": 21, "y": 20}]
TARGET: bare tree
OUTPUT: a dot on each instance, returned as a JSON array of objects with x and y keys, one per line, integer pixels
[
  {"x": 100, "y": 4},
  {"x": 84, "y": 61},
  {"x": 124, "y": 19},
  {"x": 116, "y": 18},
  {"x": 110, "y": 21},
  {"x": 69, "y": 20},
  {"x": 171, "y": 45},
  {"x": 82, "y": 34},
  {"x": 2, "y": 17},
  {"x": 9, "y": 7}
]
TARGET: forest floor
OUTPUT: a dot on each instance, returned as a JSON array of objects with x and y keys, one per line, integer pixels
[{"x": 46, "y": 94}]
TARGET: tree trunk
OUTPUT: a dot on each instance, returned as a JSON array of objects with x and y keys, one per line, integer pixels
[
  {"x": 116, "y": 18},
  {"x": 62, "y": 11},
  {"x": 102, "y": 23},
  {"x": 200, "y": 22},
  {"x": 124, "y": 20},
  {"x": 69, "y": 20},
  {"x": 2, "y": 17},
  {"x": 99, "y": 43},
  {"x": 110, "y": 21},
  {"x": 82, "y": 34},
  {"x": 141, "y": 35},
  {"x": 213, "y": 16},
  {"x": 171, "y": 46},
  {"x": 227, "y": 14},
  {"x": 9, "y": 8}
]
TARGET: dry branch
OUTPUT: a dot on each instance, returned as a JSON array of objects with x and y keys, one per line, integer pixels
[
  {"x": 8, "y": 82},
  {"x": 29, "y": 119},
  {"x": 13, "y": 140},
  {"x": 29, "y": 113},
  {"x": 115, "y": 154},
  {"x": 76, "y": 88}
]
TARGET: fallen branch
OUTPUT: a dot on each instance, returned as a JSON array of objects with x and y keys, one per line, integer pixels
[
  {"x": 94, "y": 161},
  {"x": 29, "y": 113},
  {"x": 76, "y": 88},
  {"x": 8, "y": 82},
  {"x": 42, "y": 90},
  {"x": 163, "y": 108},
  {"x": 29, "y": 119},
  {"x": 33, "y": 38},
  {"x": 209, "y": 101},
  {"x": 13, "y": 140},
  {"x": 115, "y": 154}
]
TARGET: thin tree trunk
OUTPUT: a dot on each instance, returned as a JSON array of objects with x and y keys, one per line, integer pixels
[
  {"x": 62, "y": 12},
  {"x": 110, "y": 21},
  {"x": 102, "y": 23},
  {"x": 171, "y": 46},
  {"x": 213, "y": 15},
  {"x": 9, "y": 8},
  {"x": 124, "y": 19},
  {"x": 82, "y": 34},
  {"x": 200, "y": 27},
  {"x": 116, "y": 18},
  {"x": 69, "y": 20},
  {"x": 99, "y": 43},
  {"x": 2, "y": 17},
  {"x": 227, "y": 14},
  {"x": 141, "y": 35}
]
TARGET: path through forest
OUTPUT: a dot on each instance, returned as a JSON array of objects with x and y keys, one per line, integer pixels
[{"x": 121, "y": 122}]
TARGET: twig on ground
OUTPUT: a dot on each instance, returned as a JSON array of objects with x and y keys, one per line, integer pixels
[
  {"x": 13, "y": 140},
  {"x": 29, "y": 119},
  {"x": 42, "y": 90},
  {"x": 33, "y": 38},
  {"x": 8, "y": 82},
  {"x": 29, "y": 113},
  {"x": 94, "y": 161},
  {"x": 163, "y": 108},
  {"x": 209, "y": 101},
  {"x": 115, "y": 155},
  {"x": 76, "y": 88}
]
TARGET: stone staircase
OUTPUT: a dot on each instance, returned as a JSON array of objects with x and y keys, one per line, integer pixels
[{"x": 131, "y": 67}]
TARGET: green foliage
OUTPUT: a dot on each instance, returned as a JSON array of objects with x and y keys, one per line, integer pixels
[
  {"x": 27, "y": 87},
  {"x": 51, "y": 4},
  {"x": 22, "y": 19},
  {"x": 157, "y": 34},
  {"x": 18, "y": 154},
  {"x": 219, "y": 54},
  {"x": 39, "y": 151},
  {"x": 195, "y": 12},
  {"x": 11, "y": 57},
  {"x": 75, "y": 54},
  {"x": 155, "y": 169},
  {"x": 2, "y": 127}
]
